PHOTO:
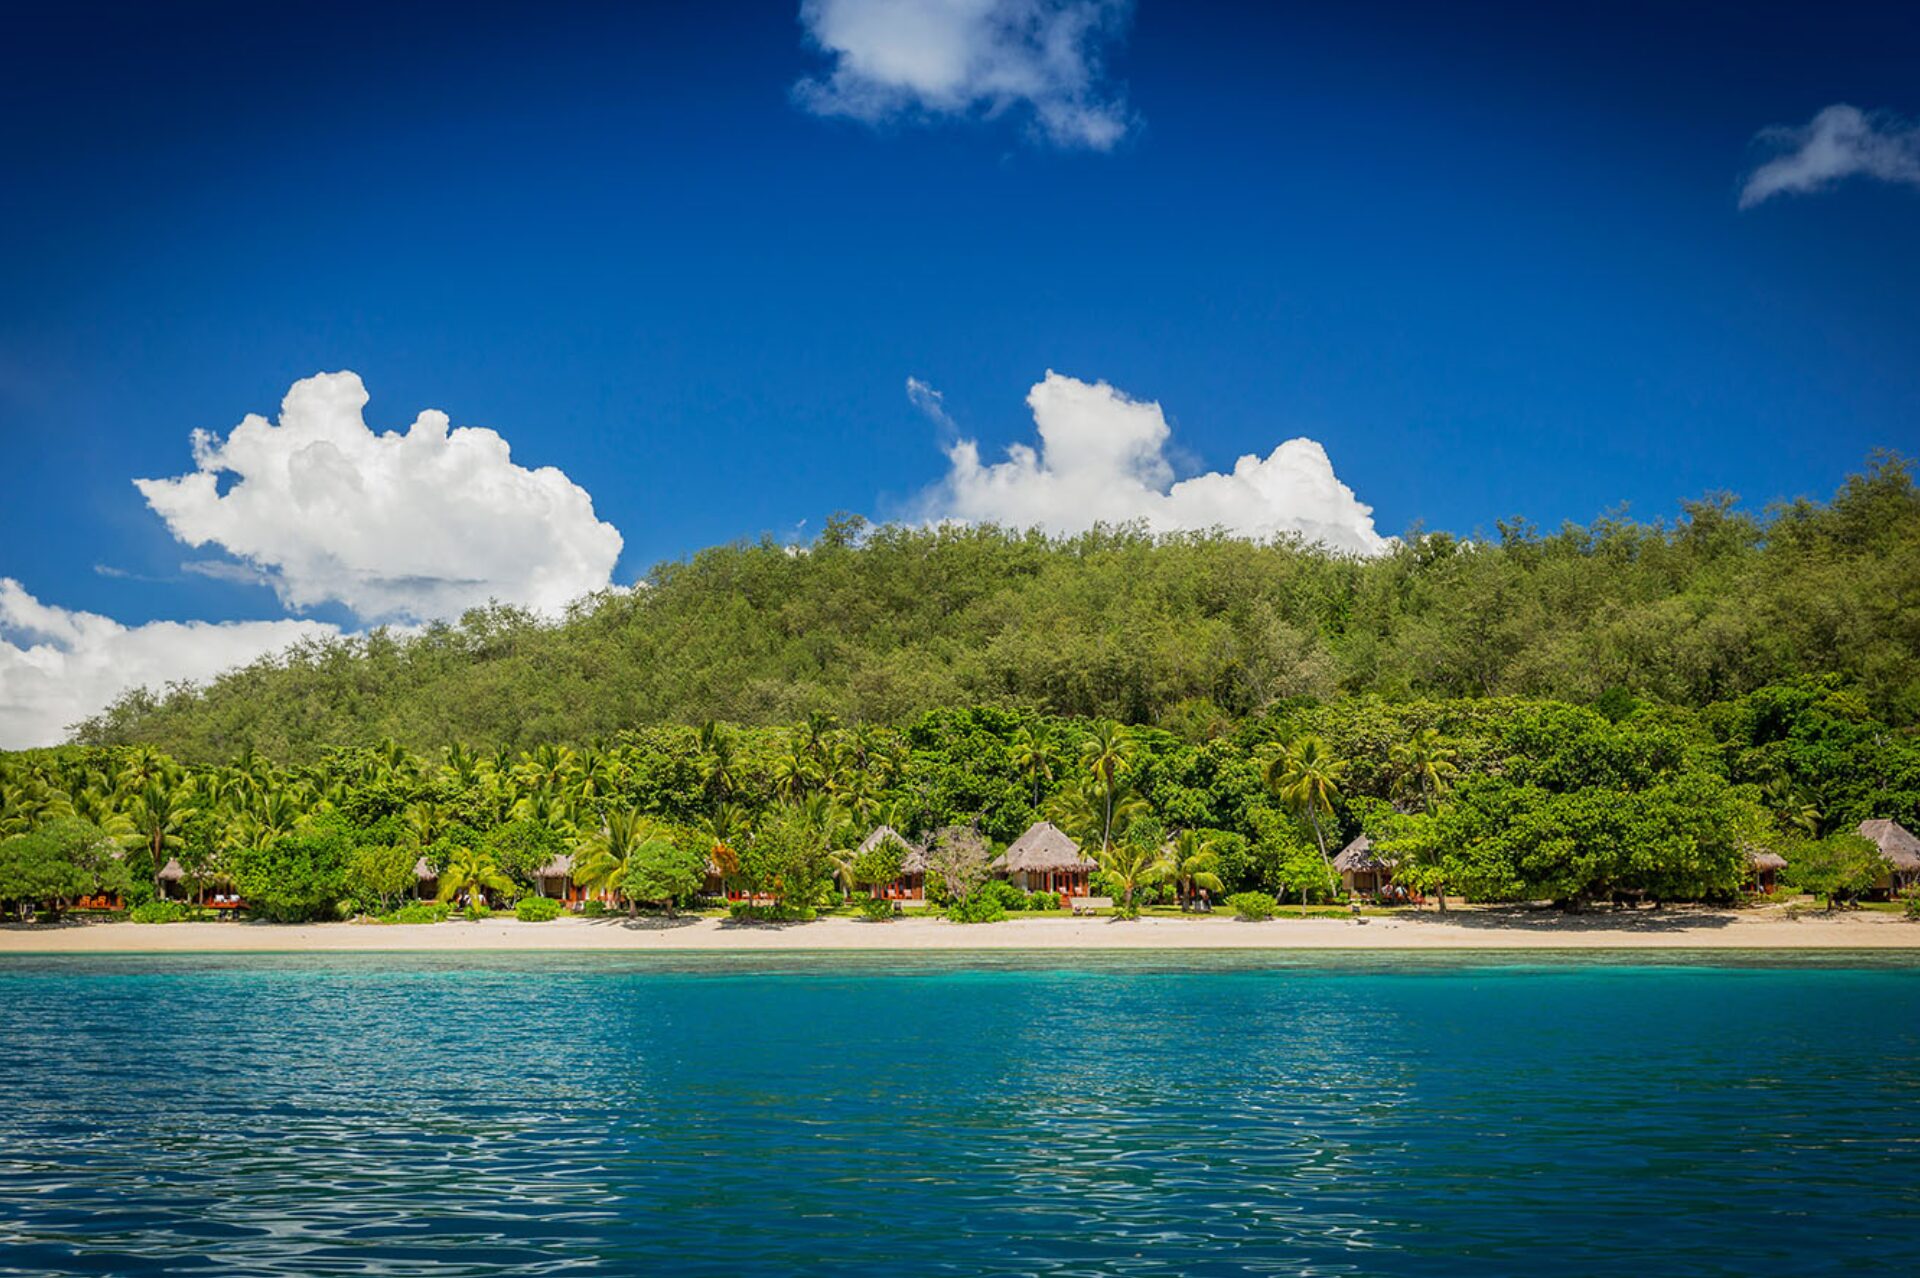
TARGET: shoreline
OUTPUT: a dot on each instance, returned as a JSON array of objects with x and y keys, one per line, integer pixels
[{"x": 1677, "y": 929}]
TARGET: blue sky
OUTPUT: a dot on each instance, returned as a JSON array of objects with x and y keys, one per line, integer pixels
[{"x": 1491, "y": 258}]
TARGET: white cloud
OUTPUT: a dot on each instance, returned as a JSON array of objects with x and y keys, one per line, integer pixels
[
  {"x": 421, "y": 525},
  {"x": 896, "y": 59},
  {"x": 1103, "y": 459},
  {"x": 1840, "y": 142},
  {"x": 58, "y": 666}
]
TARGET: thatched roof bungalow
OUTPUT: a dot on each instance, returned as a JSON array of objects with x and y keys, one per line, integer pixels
[
  {"x": 1763, "y": 867},
  {"x": 912, "y": 883},
  {"x": 555, "y": 879},
  {"x": 1046, "y": 859},
  {"x": 1901, "y": 849},
  {"x": 1361, "y": 869}
]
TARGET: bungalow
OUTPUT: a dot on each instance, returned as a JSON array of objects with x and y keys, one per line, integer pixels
[
  {"x": 555, "y": 879},
  {"x": 912, "y": 883},
  {"x": 1902, "y": 850},
  {"x": 1763, "y": 865},
  {"x": 1362, "y": 871},
  {"x": 1046, "y": 859},
  {"x": 426, "y": 881},
  {"x": 173, "y": 887}
]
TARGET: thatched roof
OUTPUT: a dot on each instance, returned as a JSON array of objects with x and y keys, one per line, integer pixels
[
  {"x": 912, "y": 861},
  {"x": 1044, "y": 847},
  {"x": 1896, "y": 843},
  {"x": 558, "y": 868},
  {"x": 423, "y": 871},
  {"x": 1358, "y": 858},
  {"x": 1765, "y": 859},
  {"x": 171, "y": 871}
]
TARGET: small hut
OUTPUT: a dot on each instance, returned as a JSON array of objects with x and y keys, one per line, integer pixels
[
  {"x": 1763, "y": 867},
  {"x": 171, "y": 876},
  {"x": 1362, "y": 871},
  {"x": 1902, "y": 850},
  {"x": 555, "y": 879},
  {"x": 426, "y": 881},
  {"x": 912, "y": 883},
  {"x": 1046, "y": 859}
]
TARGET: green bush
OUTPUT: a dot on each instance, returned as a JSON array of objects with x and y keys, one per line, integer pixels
[
  {"x": 594, "y": 909},
  {"x": 981, "y": 907},
  {"x": 876, "y": 908},
  {"x": 770, "y": 913},
  {"x": 157, "y": 912},
  {"x": 1005, "y": 894},
  {"x": 1913, "y": 906},
  {"x": 420, "y": 912},
  {"x": 537, "y": 909},
  {"x": 478, "y": 910},
  {"x": 1253, "y": 905}
]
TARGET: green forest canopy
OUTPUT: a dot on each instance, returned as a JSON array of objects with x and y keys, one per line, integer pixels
[{"x": 1190, "y": 633}]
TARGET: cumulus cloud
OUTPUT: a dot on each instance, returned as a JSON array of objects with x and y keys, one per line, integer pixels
[
  {"x": 930, "y": 59},
  {"x": 1103, "y": 459},
  {"x": 413, "y": 526},
  {"x": 58, "y": 666},
  {"x": 1838, "y": 143}
]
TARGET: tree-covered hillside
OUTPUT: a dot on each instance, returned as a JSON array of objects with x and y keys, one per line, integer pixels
[{"x": 1186, "y": 633}]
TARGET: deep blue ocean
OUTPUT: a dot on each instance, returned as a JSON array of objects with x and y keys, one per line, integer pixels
[{"x": 901, "y": 1114}]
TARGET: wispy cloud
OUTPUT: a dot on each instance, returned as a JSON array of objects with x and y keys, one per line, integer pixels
[
  {"x": 934, "y": 59},
  {"x": 1840, "y": 142},
  {"x": 1104, "y": 457}
]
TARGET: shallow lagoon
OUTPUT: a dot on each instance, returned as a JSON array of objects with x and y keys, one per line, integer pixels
[{"x": 894, "y": 1113}]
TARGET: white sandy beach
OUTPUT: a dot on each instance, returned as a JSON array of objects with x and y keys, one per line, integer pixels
[{"x": 1459, "y": 930}]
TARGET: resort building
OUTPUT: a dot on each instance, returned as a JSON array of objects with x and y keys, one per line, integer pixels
[
  {"x": 1763, "y": 867},
  {"x": 912, "y": 883},
  {"x": 1046, "y": 859},
  {"x": 555, "y": 879},
  {"x": 426, "y": 883},
  {"x": 1362, "y": 872},
  {"x": 1902, "y": 850},
  {"x": 173, "y": 877}
]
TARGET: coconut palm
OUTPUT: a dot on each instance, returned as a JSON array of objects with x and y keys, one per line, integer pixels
[
  {"x": 1192, "y": 863},
  {"x": 1107, "y": 755},
  {"x": 474, "y": 872},
  {"x": 157, "y": 815},
  {"x": 1034, "y": 754},
  {"x": 600, "y": 864},
  {"x": 1306, "y": 776},
  {"x": 1424, "y": 767},
  {"x": 1133, "y": 866}
]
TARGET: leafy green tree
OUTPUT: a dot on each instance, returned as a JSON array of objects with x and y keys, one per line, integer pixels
[
  {"x": 1838, "y": 867},
  {"x": 1193, "y": 862},
  {"x": 296, "y": 876},
  {"x": 382, "y": 872},
  {"x": 55, "y": 862},
  {"x": 663, "y": 870},
  {"x": 1306, "y": 776}
]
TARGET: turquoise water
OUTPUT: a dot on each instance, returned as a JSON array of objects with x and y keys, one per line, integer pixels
[{"x": 380, "y": 1114}]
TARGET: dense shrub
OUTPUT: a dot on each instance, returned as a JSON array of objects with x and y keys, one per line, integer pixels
[
  {"x": 476, "y": 911},
  {"x": 1005, "y": 894},
  {"x": 981, "y": 907},
  {"x": 420, "y": 912},
  {"x": 1253, "y": 905},
  {"x": 875, "y": 908},
  {"x": 158, "y": 912},
  {"x": 781, "y": 913},
  {"x": 537, "y": 909},
  {"x": 594, "y": 909},
  {"x": 1913, "y": 906}
]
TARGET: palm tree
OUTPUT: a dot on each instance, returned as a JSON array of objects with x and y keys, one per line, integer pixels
[
  {"x": 1106, "y": 755},
  {"x": 157, "y": 816},
  {"x": 603, "y": 857},
  {"x": 794, "y": 771},
  {"x": 1424, "y": 767},
  {"x": 474, "y": 872},
  {"x": 1133, "y": 867},
  {"x": 1307, "y": 778},
  {"x": 1192, "y": 863},
  {"x": 1035, "y": 753}
]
